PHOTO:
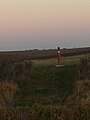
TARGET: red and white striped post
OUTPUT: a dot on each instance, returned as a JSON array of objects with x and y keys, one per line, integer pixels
[{"x": 59, "y": 55}]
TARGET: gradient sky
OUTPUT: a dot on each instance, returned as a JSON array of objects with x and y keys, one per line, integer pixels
[{"x": 43, "y": 24}]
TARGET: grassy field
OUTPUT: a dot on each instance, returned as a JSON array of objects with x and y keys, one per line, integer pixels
[
  {"x": 44, "y": 92},
  {"x": 49, "y": 85},
  {"x": 64, "y": 60}
]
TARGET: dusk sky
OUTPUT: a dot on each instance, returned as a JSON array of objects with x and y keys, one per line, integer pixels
[{"x": 44, "y": 24}]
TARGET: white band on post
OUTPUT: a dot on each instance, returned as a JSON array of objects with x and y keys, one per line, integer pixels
[{"x": 58, "y": 51}]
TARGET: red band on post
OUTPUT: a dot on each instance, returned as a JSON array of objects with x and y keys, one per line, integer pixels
[{"x": 58, "y": 56}]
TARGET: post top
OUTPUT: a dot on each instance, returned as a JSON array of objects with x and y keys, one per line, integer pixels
[{"x": 58, "y": 48}]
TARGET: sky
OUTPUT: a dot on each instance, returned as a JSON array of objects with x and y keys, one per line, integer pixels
[{"x": 44, "y": 24}]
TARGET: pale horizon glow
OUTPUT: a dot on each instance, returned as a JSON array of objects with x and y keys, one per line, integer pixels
[{"x": 44, "y": 24}]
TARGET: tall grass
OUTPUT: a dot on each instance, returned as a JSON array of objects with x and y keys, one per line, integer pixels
[
  {"x": 13, "y": 73},
  {"x": 78, "y": 112},
  {"x": 7, "y": 93}
]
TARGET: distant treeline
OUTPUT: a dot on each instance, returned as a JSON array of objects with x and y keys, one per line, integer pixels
[{"x": 43, "y": 54}]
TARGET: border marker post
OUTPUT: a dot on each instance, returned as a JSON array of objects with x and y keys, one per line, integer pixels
[{"x": 59, "y": 58}]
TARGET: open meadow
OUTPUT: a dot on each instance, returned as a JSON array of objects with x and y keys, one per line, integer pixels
[{"x": 35, "y": 89}]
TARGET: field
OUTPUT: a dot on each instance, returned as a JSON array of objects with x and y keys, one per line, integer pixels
[{"x": 33, "y": 88}]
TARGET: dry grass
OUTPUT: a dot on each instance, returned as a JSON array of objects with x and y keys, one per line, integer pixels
[
  {"x": 82, "y": 86},
  {"x": 7, "y": 93},
  {"x": 16, "y": 73},
  {"x": 54, "y": 61},
  {"x": 14, "y": 70},
  {"x": 47, "y": 113},
  {"x": 81, "y": 94}
]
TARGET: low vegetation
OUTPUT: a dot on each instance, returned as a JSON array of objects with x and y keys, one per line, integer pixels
[
  {"x": 80, "y": 112},
  {"x": 37, "y": 90}
]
